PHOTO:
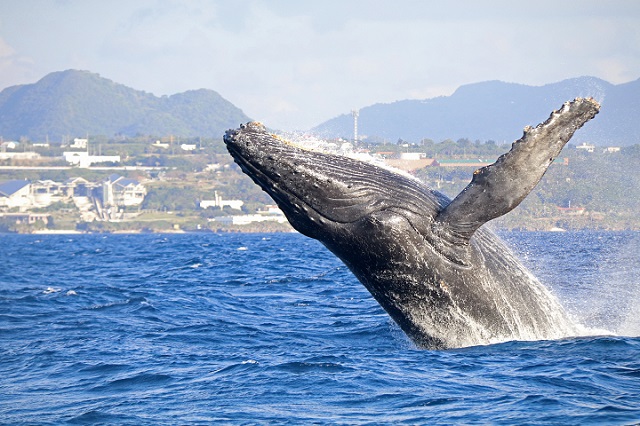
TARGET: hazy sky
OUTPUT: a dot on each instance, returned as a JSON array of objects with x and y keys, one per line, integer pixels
[{"x": 296, "y": 63}]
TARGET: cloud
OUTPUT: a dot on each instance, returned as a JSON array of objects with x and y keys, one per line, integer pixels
[
  {"x": 14, "y": 67},
  {"x": 295, "y": 64}
]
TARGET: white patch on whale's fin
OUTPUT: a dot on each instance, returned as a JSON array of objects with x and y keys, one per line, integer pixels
[{"x": 498, "y": 188}]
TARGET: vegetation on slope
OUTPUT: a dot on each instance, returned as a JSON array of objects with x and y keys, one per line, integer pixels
[{"x": 76, "y": 103}]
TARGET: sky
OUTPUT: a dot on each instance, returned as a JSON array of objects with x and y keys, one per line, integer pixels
[{"x": 294, "y": 64}]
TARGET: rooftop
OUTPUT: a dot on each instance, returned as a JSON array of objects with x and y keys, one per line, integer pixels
[{"x": 10, "y": 187}]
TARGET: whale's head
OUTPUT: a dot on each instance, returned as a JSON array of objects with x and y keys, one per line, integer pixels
[{"x": 330, "y": 197}]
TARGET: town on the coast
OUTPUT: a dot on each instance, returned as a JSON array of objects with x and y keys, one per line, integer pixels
[
  {"x": 82, "y": 153},
  {"x": 111, "y": 200},
  {"x": 169, "y": 185}
]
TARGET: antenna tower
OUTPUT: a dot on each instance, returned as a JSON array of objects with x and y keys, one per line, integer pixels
[{"x": 355, "y": 114}]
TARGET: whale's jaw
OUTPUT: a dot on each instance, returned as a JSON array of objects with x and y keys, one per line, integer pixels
[{"x": 317, "y": 191}]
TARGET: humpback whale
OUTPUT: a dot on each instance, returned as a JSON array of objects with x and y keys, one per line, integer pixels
[{"x": 445, "y": 279}]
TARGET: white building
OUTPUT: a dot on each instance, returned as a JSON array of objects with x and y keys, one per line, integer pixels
[
  {"x": 245, "y": 219},
  {"x": 46, "y": 192},
  {"x": 269, "y": 214},
  {"x": 158, "y": 144},
  {"x": 19, "y": 155},
  {"x": 15, "y": 194},
  {"x": 79, "y": 143},
  {"x": 82, "y": 159},
  {"x": 271, "y": 210},
  {"x": 79, "y": 187},
  {"x": 412, "y": 156},
  {"x": 219, "y": 202},
  {"x": 9, "y": 145},
  {"x": 120, "y": 191},
  {"x": 587, "y": 147}
]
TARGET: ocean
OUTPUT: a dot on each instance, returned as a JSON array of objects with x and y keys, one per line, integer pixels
[{"x": 272, "y": 329}]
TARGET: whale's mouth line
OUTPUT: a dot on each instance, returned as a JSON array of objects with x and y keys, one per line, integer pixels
[{"x": 276, "y": 192}]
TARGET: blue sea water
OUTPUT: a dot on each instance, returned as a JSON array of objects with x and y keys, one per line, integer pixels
[{"x": 272, "y": 328}]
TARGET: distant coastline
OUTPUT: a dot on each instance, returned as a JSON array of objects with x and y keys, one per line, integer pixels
[{"x": 284, "y": 228}]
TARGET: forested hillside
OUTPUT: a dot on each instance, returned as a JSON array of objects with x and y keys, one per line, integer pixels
[
  {"x": 78, "y": 103},
  {"x": 580, "y": 190},
  {"x": 498, "y": 111}
]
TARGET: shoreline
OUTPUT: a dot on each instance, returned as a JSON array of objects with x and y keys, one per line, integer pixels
[{"x": 271, "y": 231}]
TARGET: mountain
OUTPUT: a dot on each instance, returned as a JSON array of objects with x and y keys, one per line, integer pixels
[
  {"x": 77, "y": 103},
  {"x": 498, "y": 111}
]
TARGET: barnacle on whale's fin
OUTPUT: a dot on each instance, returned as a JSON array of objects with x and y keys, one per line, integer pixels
[{"x": 498, "y": 188}]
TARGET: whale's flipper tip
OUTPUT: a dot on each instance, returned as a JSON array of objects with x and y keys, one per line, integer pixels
[{"x": 498, "y": 188}]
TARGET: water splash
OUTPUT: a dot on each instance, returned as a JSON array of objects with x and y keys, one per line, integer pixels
[
  {"x": 620, "y": 310},
  {"x": 601, "y": 291}
]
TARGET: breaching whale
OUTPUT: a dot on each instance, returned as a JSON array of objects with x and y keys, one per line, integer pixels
[{"x": 444, "y": 279}]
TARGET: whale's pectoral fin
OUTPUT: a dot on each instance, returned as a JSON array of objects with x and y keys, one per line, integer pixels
[{"x": 498, "y": 188}]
